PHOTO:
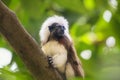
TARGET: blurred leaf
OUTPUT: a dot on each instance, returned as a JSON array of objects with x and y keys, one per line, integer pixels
[
  {"x": 6, "y": 74},
  {"x": 36, "y": 9},
  {"x": 75, "y": 5},
  {"x": 7, "y": 2},
  {"x": 89, "y": 4}
]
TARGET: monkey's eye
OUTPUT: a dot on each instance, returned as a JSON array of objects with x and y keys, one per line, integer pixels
[
  {"x": 63, "y": 27},
  {"x": 51, "y": 28}
]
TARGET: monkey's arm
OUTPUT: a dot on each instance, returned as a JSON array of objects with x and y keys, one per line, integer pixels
[{"x": 75, "y": 62}]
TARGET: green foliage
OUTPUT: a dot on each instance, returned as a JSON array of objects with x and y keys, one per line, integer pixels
[
  {"x": 88, "y": 29},
  {"x": 6, "y": 74}
]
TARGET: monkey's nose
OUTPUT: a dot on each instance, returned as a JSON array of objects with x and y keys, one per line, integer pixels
[{"x": 62, "y": 31}]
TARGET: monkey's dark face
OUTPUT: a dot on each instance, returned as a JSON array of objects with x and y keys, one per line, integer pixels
[{"x": 57, "y": 30}]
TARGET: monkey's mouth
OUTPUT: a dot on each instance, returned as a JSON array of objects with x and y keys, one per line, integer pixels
[{"x": 59, "y": 33}]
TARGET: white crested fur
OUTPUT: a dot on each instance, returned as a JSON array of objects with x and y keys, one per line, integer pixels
[{"x": 44, "y": 32}]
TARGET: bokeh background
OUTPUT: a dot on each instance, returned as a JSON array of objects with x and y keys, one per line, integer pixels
[{"x": 94, "y": 27}]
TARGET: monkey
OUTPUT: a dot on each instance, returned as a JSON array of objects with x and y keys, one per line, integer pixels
[{"x": 57, "y": 45}]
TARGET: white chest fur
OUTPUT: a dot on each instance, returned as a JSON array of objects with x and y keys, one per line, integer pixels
[
  {"x": 52, "y": 48},
  {"x": 58, "y": 52}
]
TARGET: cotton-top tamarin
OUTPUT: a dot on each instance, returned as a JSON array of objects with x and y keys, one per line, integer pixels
[{"x": 58, "y": 47}]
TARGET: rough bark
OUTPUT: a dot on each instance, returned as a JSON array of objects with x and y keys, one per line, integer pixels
[{"x": 25, "y": 46}]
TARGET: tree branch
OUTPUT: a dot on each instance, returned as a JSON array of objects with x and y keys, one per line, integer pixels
[{"x": 25, "y": 46}]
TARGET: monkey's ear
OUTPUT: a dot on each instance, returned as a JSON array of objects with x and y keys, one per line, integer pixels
[{"x": 50, "y": 28}]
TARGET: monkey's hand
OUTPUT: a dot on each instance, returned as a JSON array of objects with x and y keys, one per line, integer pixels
[
  {"x": 57, "y": 61},
  {"x": 50, "y": 62}
]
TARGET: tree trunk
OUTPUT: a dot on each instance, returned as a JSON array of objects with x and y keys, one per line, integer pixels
[{"x": 25, "y": 46}]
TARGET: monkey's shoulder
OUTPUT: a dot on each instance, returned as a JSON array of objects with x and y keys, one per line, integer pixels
[{"x": 53, "y": 47}]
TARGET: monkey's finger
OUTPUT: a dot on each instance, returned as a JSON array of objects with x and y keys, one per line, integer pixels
[{"x": 50, "y": 58}]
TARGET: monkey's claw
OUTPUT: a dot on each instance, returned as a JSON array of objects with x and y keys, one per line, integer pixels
[{"x": 50, "y": 61}]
